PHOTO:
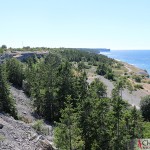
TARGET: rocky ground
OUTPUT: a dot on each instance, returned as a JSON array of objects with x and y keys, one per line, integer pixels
[
  {"x": 133, "y": 98},
  {"x": 23, "y": 104},
  {"x": 20, "y": 135}
]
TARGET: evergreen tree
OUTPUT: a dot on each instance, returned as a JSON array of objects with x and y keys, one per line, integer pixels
[
  {"x": 6, "y": 101},
  {"x": 119, "y": 106},
  {"x": 15, "y": 71},
  {"x": 135, "y": 124},
  {"x": 51, "y": 101},
  {"x": 145, "y": 107},
  {"x": 101, "y": 124},
  {"x": 98, "y": 89},
  {"x": 65, "y": 84},
  {"x": 81, "y": 87},
  {"x": 85, "y": 122},
  {"x": 67, "y": 133},
  {"x": 94, "y": 111}
]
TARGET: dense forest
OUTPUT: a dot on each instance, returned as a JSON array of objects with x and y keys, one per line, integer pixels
[{"x": 83, "y": 116}]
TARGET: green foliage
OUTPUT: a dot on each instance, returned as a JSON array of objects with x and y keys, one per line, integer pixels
[
  {"x": 127, "y": 122},
  {"x": 15, "y": 71},
  {"x": 102, "y": 69},
  {"x": 135, "y": 125},
  {"x": 146, "y": 131},
  {"x": 85, "y": 117},
  {"x": 100, "y": 124},
  {"x": 129, "y": 86},
  {"x": 2, "y": 137},
  {"x": 6, "y": 101},
  {"x": 1, "y": 50},
  {"x": 39, "y": 127},
  {"x": 118, "y": 65},
  {"x": 4, "y": 47},
  {"x": 67, "y": 133},
  {"x": 145, "y": 107},
  {"x": 98, "y": 88},
  {"x": 81, "y": 65},
  {"x": 90, "y": 119},
  {"x": 138, "y": 86},
  {"x": 110, "y": 75},
  {"x": 105, "y": 70},
  {"x": 137, "y": 78}
]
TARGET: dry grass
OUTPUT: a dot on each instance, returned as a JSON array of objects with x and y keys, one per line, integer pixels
[{"x": 2, "y": 137}]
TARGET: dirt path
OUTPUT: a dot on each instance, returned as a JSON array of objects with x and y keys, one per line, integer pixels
[{"x": 129, "y": 70}]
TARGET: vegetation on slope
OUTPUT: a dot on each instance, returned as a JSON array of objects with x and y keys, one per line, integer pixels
[
  {"x": 85, "y": 117},
  {"x": 6, "y": 101}
]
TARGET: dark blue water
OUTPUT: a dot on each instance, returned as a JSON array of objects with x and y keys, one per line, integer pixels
[{"x": 138, "y": 58}]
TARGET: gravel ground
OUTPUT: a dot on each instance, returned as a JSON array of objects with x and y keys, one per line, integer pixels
[
  {"x": 133, "y": 98},
  {"x": 23, "y": 104},
  {"x": 19, "y": 135}
]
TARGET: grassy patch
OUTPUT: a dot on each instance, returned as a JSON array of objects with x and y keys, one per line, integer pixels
[
  {"x": 118, "y": 72},
  {"x": 39, "y": 127},
  {"x": 138, "y": 86},
  {"x": 146, "y": 131},
  {"x": 2, "y": 137},
  {"x": 25, "y": 119}
]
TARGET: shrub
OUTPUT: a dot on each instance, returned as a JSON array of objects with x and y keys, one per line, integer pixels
[
  {"x": 87, "y": 67},
  {"x": 128, "y": 76},
  {"x": 148, "y": 82},
  {"x": 2, "y": 138},
  {"x": 81, "y": 65},
  {"x": 39, "y": 127},
  {"x": 1, "y": 50},
  {"x": 145, "y": 107},
  {"x": 137, "y": 79},
  {"x": 138, "y": 86},
  {"x": 109, "y": 76},
  {"x": 25, "y": 119},
  {"x": 146, "y": 131}
]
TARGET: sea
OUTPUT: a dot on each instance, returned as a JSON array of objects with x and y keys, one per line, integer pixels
[{"x": 138, "y": 58}]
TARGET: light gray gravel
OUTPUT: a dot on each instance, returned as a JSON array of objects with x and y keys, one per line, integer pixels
[
  {"x": 19, "y": 135},
  {"x": 133, "y": 98}
]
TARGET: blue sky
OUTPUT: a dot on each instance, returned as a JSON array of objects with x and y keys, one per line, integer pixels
[{"x": 114, "y": 24}]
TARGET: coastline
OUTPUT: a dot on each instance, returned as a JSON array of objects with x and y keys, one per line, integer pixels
[
  {"x": 133, "y": 98},
  {"x": 137, "y": 58},
  {"x": 134, "y": 69},
  {"x": 130, "y": 67}
]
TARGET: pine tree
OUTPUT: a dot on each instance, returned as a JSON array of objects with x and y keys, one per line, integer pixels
[
  {"x": 101, "y": 124},
  {"x": 98, "y": 89},
  {"x": 15, "y": 71},
  {"x": 81, "y": 87},
  {"x": 65, "y": 82},
  {"x": 118, "y": 105},
  {"x": 67, "y": 133},
  {"x": 6, "y": 101},
  {"x": 85, "y": 122},
  {"x": 135, "y": 124},
  {"x": 94, "y": 122}
]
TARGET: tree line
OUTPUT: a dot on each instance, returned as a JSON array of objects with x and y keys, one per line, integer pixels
[{"x": 84, "y": 117}]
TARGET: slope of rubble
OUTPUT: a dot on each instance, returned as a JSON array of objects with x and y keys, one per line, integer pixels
[{"x": 20, "y": 135}]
